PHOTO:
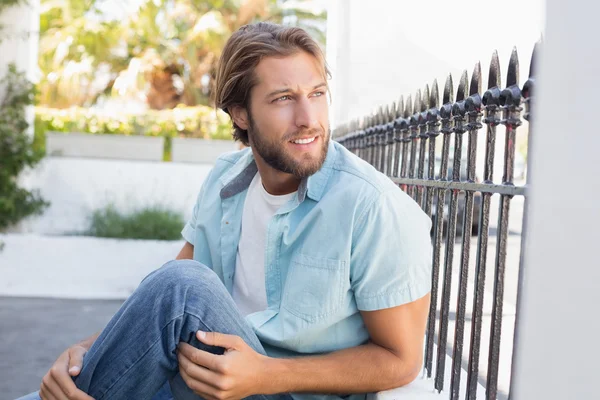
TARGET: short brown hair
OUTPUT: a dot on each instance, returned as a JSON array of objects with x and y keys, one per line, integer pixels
[{"x": 242, "y": 53}]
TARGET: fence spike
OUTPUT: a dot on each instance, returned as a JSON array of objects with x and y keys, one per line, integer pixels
[
  {"x": 530, "y": 83},
  {"x": 475, "y": 80},
  {"x": 425, "y": 99},
  {"x": 408, "y": 107},
  {"x": 534, "y": 56},
  {"x": 417, "y": 104},
  {"x": 494, "y": 78},
  {"x": 400, "y": 107},
  {"x": 462, "y": 86},
  {"x": 513, "y": 69},
  {"x": 448, "y": 90},
  {"x": 434, "y": 98}
]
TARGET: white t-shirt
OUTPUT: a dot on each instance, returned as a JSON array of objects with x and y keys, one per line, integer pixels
[{"x": 249, "y": 292}]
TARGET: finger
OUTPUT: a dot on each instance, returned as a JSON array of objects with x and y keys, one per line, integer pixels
[
  {"x": 220, "y": 339},
  {"x": 66, "y": 387},
  {"x": 51, "y": 389},
  {"x": 199, "y": 357},
  {"x": 76, "y": 354},
  {"x": 45, "y": 394},
  {"x": 200, "y": 388},
  {"x": 197, "y": 372}
]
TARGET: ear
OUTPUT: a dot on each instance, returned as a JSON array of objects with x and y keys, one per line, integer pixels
[{"x": 240, "y": 117}]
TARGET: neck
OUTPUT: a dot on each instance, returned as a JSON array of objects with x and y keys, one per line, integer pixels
[{"x": 274, "y": 181}]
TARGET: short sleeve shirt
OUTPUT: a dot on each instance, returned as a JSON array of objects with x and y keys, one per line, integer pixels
[{"x": 350, "y": 240}]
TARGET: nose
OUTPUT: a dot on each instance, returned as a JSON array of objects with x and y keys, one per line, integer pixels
[{"x": 306, "y": 114}]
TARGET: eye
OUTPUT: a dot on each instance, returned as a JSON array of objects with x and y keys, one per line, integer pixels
[
  {"x": 318, "y": 94},
  {"x": 282, "y": 98}
]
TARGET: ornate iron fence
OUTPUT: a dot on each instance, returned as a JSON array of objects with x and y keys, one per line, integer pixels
[{"x": 400, "y": 141}]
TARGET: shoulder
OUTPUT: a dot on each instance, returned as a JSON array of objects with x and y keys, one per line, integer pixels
[
  {"x": 361, "y": 183},
  {"x": 231, "y": 158},
  {"x": 227, "y": 161}
]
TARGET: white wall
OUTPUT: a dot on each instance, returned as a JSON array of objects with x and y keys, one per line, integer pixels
[
  {"x": 557, "y": 348},
  {"x": 77, "y": 186},
  {"x": 78, "y": 267},
  {"x": 20, "y": 37}
]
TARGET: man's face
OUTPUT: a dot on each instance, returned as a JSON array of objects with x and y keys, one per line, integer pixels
[{"x": 288, "y": 114}]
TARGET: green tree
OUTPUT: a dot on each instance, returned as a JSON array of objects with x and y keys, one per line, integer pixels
[
  {"x": 166, "y": 49},
  {"x": 75, "y": 43},
  {"x": 16, "y": 151}
]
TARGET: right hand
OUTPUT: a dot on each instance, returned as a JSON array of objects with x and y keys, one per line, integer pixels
[{"x": 58, "y": 383}]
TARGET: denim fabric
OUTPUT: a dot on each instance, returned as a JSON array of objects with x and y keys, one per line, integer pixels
[{"x": 135, "y": 355}]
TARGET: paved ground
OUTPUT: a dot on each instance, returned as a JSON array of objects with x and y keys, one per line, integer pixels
[{"x": 33, "y": 333}]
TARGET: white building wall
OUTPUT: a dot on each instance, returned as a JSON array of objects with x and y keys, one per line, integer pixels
[{"x": 557, "y": 329}]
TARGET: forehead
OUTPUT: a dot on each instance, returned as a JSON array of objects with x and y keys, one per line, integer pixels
[{"x": 298, "y": 70}]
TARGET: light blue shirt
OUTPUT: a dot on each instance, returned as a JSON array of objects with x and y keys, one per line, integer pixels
[{"x": 349, "y": 240}]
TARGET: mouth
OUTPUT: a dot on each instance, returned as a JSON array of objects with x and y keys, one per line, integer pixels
[{"x": 304, "y": 142}]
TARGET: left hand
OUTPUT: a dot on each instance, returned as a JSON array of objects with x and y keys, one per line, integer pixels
[{"x": 236, "y": 374}]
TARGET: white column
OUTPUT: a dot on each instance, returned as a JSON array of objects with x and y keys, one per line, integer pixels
[
  {"x": 19, "y": 39},
  {"x": 557, "y": 354}
]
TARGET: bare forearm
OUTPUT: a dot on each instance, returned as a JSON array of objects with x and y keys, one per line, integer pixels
[{"x": 362, "y": 369}]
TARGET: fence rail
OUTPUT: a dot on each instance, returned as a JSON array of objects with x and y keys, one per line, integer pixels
[{"x": 400, "y": 140}]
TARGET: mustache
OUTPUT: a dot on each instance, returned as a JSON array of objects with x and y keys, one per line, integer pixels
[{"x": 304, "y": 133}]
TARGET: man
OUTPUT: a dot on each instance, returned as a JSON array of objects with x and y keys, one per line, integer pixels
[{"x": 305, "y": 270}]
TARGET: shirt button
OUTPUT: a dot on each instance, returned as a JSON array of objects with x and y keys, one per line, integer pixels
[{"x": 227, "y": 222}]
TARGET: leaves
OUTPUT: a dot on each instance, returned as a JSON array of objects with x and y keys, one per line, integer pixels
[
  {"x": 198, "y": 121},
  {"x": 174, "y": 46},
  {"x": 16, "y": 151},
  {"x": 152, "y": 223}
]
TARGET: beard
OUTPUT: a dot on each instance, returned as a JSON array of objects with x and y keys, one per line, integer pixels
[{"x": 276, "y": 154}]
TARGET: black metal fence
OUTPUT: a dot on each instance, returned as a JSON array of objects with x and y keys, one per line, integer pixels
[{"x": 400, "y": 141}]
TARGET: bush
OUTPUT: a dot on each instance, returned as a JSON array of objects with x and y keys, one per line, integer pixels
[
  {"x": 16, "y": 151},
  {"x": 182, "y": 121},
  {"x": 153, "y": 223}
]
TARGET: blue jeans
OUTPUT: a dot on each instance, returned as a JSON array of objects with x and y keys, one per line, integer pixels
[{"x": 135, "y": 355}]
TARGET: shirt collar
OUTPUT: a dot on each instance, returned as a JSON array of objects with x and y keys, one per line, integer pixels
[{"x": 238, "y": 178}]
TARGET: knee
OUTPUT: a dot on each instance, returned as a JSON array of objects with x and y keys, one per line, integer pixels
[{"x": 181, "y": 274}]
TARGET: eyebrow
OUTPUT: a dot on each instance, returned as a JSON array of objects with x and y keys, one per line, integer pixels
[{"x": 286, "y": 90}]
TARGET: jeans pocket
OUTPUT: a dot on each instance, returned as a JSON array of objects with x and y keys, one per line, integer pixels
[{"x": 314, "y": 288}]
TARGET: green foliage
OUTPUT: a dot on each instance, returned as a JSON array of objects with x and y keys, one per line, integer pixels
[
  {"x": 198, "y": 122},
  {"x": 9, "y": 3},
  {"x": 153, "y": 223},
  {"x": 165, "y": 51},
  {"x": 16, "y": 151}
]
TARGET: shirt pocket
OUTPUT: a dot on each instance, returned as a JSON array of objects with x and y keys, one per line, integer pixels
[{"x": 314, "y": 288}]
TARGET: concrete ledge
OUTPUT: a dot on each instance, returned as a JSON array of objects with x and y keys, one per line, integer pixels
[
  {"x": 78, "y": 267},
  {"x": 200, "y": 150},
  {"x": 147, "y": 148}
]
